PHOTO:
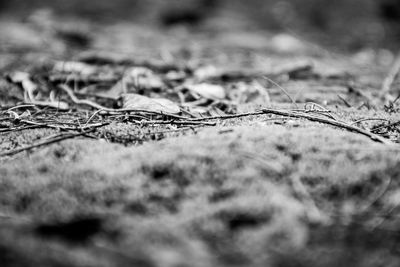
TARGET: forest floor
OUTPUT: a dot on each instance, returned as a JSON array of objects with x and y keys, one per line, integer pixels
[{"x": 265, "y": 150}]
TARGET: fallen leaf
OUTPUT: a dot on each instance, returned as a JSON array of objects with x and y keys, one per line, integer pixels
[
  {"x": 207, "y": 72},
  {"x": 24, "y": 79},
  {"x": 136, "y": 80},
  {"x": 330, "y": 71},
  {"x": 286, "y": 43},
  {"x": 252, "y": 92},
  {"x": 75, "y": 67},
  {"x": 27, "y": 84},
  {"x": 140, "y": 102},
  {"x": 143, "y": 78},
  {"x": 210, "y": 91},
  {"x": 175, "y": 76}
]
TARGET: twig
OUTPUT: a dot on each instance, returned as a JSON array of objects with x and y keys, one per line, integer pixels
[
  {"x": 390, "y": 78},
  {"x": 60, "y": 126},
  {"x": 396, "y": 99},
  {"x": 55, "y": 139},
  {"x": 225, "y": 117},
  {"x": 283, "y": 89},
  {"x": 339, "y": 124},
  {"x": 91, "y": 117},
  {"x": 385, "y": 126},
  {"x": 368, "y": 119},
  {"x": 176, "y": 122},
  {"x": 193, "y": 128},
  {"x": 357, "y": 92},
  {"x": 297, "y": 114},
  {"x": 347, "y": 104},
  {"x": 310, "y": 107},
  {"x": 22, "y": 106},
  {"x": 71, "y": 94},
  {"x": 58, "y": 138},
  {"x": 16, "y": 129}
]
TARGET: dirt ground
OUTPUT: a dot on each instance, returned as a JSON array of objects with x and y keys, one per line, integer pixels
[{"x": 294, "y": 163}]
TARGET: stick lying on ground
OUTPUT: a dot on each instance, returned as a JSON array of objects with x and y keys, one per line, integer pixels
[
  {"x": 303, "y": 115},
  {"x": 300, "y": 114},
  {"x": 390, "y": 78},
  {"x": 58, "y": 138},
  {"x": 339, "y": 124}
]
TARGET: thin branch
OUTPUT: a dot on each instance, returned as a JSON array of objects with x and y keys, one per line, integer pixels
[
  {"x": 303, "y": 115},
  {"x": 368, "y": 119},
  {"x": 225, "y": 117},
  {"x": 390, "y": 78},
  {"x": 339, "y": 124},
  {"x": 57, "y": 138},
  {"x": 386, "y": 126},
  {"x": 176, "y": 123},
  {"x": 283, "y": 89},
  {"x": 60, "y": 126},
  {"x": 16, "y": 129},
  {"x": 346, "y": 103}
]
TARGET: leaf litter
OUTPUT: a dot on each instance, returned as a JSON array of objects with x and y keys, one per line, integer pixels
[{"x": 147, "y": 93}]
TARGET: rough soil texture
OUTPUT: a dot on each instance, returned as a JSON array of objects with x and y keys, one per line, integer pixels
[{"x": 261, "y": 190}]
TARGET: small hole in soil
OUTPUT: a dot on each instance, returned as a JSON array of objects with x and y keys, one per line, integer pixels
[{"x": 160, "y": 172}]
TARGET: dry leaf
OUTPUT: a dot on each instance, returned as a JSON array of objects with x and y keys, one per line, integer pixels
[
  {"x": 210, "y": 91},
  {"x": 135, "y": 80},
  {"x": 27, "y": 84},
  {"x": 75, "y": 67},
  {"x": 143, "y": 78},
  {"x": 207, "y": 72},
  {"x": 253, "y": 93},
  {"x": 286, "y": 43},
  {"x": 135, "y": 101},
  {"x": 24, "y": 79},
  {"x": 175, "y": 76}
]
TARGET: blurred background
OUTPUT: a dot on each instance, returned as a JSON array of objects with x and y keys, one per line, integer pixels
[{"x": 348, "y": 24}]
